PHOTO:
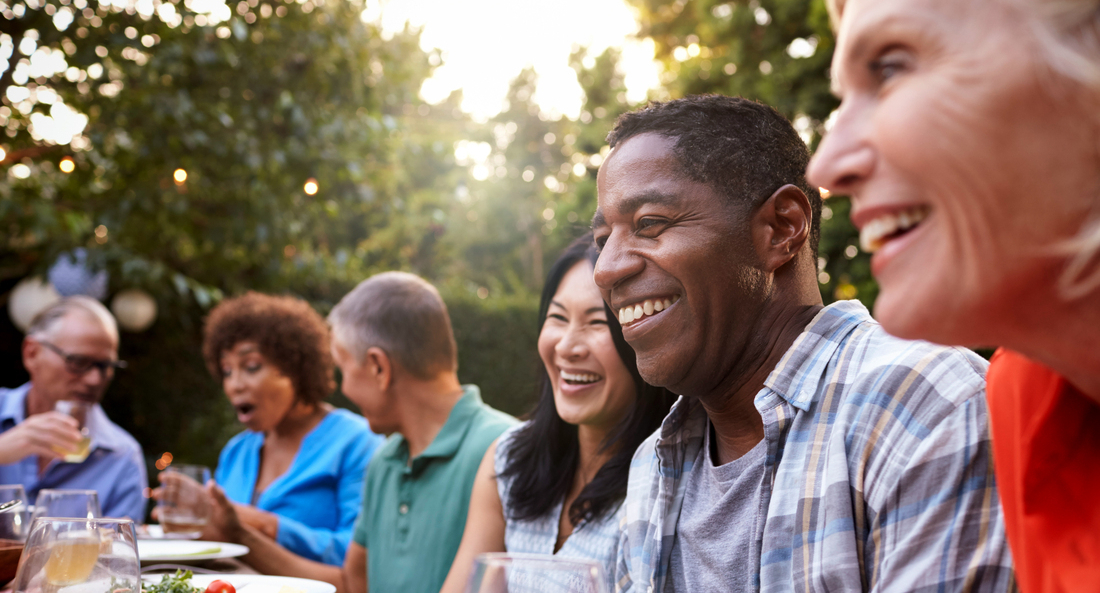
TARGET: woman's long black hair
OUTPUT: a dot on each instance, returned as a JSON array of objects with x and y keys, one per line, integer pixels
[{"x": 543, "y": 457}]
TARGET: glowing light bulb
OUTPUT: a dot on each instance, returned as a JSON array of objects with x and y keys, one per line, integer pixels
[
  {"x": 179, "y": 176},
  {"x": 66, "y": 165},
  {"x": 310, "y": 187}
]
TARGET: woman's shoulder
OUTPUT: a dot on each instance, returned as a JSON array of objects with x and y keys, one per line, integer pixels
[
  {"x": 342, "y": 427},
  {"x": 507, "y": 439},
  {"x": 344, "y": 419},
  {"x": 243, "y": 445},
  {"x": 246, "y": 440}
]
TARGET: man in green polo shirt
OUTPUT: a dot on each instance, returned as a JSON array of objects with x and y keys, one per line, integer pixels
[{"x": 393, "y": 342}]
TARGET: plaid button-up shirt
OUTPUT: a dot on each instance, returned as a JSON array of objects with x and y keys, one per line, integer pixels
[{"x": 879, "y": 472}]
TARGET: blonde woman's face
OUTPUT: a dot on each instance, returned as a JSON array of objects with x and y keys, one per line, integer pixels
[{"x": 965, "y": 160}]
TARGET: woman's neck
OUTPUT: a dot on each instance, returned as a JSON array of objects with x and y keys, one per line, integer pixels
[
  {"x": 1064, "y": 336},
  {"x": 301, "y": 419},
  {"x": 591, "y": 457}
]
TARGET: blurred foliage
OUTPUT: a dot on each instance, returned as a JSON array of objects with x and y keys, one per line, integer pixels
[
  {"x": 776, "y": 52},
  {"x": 497, "y": 348},
  {"x": 255, "y": 98},
  {"x": 532, "y": 183},
  {"x": 191, "y": 174}
]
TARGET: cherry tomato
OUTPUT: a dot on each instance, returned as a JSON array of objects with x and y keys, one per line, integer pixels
[{"x": 220, "y": 587}]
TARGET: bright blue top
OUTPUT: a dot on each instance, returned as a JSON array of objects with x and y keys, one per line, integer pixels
[
  {"x": 115, "y": 467},
  {"x": 317, "y": 500}
]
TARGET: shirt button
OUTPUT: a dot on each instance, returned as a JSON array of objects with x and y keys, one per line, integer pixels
[{"x": 403, "y": 509}]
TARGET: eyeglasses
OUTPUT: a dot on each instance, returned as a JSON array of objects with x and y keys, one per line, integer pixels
[{"x": 78, "y": 364}]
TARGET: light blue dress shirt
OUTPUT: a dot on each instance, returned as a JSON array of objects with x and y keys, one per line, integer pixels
[
  {"x": 115, "y": 467},
  {"x": 318, "y": 498}
]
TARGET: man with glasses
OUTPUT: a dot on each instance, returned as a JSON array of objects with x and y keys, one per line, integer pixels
[{"x": 70, "y": 353}]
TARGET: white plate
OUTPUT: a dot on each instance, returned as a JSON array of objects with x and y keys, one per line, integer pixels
[
  {"x": 150, "y": 531},
  {"x": 175, "y": 550},
  {"x": 255, "y": 583}
]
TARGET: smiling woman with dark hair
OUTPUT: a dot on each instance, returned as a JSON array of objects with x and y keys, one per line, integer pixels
[
  {"x": 555, "y": 484},
  {"x": 296, "y": 473}
]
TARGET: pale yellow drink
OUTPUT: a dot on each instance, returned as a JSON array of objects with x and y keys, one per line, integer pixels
[
  {"x": 72, "y": 560},
  {"x": 83, "y": 447}
]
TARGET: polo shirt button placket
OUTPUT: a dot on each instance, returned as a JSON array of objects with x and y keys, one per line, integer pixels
[{"x": 403, "y": 509}]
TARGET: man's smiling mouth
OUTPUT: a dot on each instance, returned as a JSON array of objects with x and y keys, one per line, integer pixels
[{"x": 637, "y": 311}]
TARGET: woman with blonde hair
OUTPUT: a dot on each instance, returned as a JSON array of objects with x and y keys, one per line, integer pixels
[{"x": 969, "y": 141}]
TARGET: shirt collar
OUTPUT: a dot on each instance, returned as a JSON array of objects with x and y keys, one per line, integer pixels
[
  {"x": 797, "y": 376},
  {"x": 450, "y": 437},
  {"x": 13, "y": 405}
]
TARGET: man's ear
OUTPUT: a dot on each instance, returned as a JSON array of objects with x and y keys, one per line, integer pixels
[
  {"x": 31, "y": 351},
  {"x": 380, "y": 367},
  {"x": 782, "y": 226}
]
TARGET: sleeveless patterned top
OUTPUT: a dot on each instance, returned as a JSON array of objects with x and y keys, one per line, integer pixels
[{"x": 596, "y": 540}]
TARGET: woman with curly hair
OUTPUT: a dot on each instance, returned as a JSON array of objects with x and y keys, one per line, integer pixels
[
  {"x": 555, "y": 484},
  {"x": 296, "y": 473}
]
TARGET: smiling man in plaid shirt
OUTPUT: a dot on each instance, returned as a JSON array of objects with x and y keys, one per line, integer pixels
[{"x": 811, "y": 451}]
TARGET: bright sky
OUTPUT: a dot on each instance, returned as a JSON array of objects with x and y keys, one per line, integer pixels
[{"x": 486, "y": 43}]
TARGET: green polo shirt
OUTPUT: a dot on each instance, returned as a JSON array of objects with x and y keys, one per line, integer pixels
[{"x": 414, "y": 514}]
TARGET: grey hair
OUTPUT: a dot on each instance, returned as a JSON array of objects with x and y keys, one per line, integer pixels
[
  {"x": 44, "y": 324},
  {"x": 403, "y": 315},
  {"x": 1068, "y": 32}
]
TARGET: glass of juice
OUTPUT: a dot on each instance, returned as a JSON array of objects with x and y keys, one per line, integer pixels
[
  {"x": 78, "y": 410},
  {"x": 184, "y": 504},
  {"x": 62, "y": 552}
]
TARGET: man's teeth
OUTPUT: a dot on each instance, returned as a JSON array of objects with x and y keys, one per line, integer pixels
[
  {"x": 874, "y": 234},
  {"x": 579, "y": 377},
  {"x": 644, "y": 308}
]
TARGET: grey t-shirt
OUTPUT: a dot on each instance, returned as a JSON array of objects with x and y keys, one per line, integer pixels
[{"x": 716, "y": 535}]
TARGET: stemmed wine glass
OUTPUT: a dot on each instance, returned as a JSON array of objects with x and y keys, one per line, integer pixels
[
  {"x": 523, "y": 573},
  {"x": 93, "y": 555}
]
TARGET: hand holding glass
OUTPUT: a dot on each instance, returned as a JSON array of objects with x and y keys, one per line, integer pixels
[
  {"x": 184, "y": 504},
  {"x": 523, "y": 573},
  {"x": 61, "y": 553}
]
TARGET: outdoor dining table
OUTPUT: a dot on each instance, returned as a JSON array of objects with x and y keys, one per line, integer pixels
[{"x": 218, "y": 566}]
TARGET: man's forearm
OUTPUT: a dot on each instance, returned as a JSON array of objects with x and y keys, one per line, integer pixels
[{"x": 268, "y": 557}]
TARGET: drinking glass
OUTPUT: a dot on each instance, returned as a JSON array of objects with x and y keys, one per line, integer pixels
[
  {"x": 15, "y": 521},
  {"x": 523, "y": 573},
  {"x": 184, "y": 505},
  {"x": 73, "y": 504},
  {"x": 79, "y": 411},
  {"x": 97, "y": 555},
  {"x": 13, "y": 530}
]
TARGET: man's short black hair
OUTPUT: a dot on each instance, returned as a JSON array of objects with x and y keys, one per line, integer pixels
[{"x": 744, "y": 149}]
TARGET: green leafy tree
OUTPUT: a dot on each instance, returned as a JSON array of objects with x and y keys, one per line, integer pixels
[
  {"x": 532, "y": 187},
  {"x": 267, "y": 145}
]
